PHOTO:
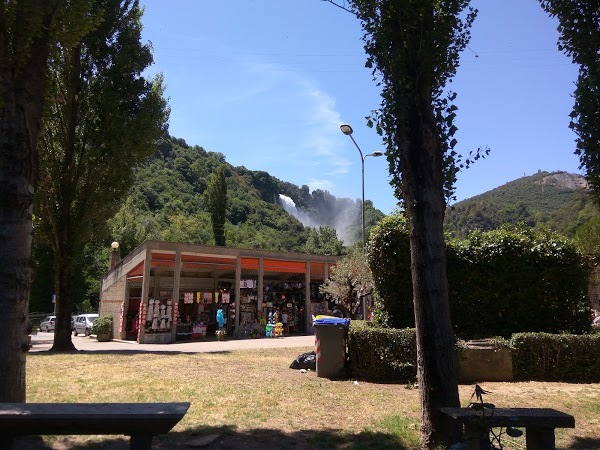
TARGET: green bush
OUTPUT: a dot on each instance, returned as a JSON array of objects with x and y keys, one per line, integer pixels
[
  {"x": 510, "y": 280},
  {"x": 102, "y": 325},
  {"x": 389, "y": 260},
  {"x": 390, "y": 355},
  {"x": 517, "y": 279},
  {"x": 382, "y": 354},
  {"x": 556, "y": 357}
]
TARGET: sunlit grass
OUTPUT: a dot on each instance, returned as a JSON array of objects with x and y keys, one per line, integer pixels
[{"x": 253, "y": 395}]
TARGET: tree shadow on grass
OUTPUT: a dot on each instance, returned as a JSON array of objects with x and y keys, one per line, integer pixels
[
  {"x": 228, "y": 437},
  {"x": 584, "y": 443}
]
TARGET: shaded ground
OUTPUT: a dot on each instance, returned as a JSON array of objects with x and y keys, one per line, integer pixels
[{"x": 227, "y": 437}]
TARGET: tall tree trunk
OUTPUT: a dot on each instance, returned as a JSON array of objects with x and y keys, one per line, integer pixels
[
  {"x": 16, "y": 198},
  {"x": 436, "y": 366},
  {"x": 64, "y": 229},
  {"x": 63, "y": 286},
  {"x": 22, "y": 94}
]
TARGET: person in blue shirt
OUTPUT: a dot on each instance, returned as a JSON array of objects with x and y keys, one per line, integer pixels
[{"x": 220, "y": 318}]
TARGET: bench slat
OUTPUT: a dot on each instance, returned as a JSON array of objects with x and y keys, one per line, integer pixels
[
  {"x": 90, "y": 418},
  {"x": 516, "y": 417}
]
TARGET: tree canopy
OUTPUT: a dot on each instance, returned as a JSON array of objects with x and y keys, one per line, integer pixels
[
  {"x": 216, "y": 202},
  {"x": 349, "y": 282},
  {"x": 579, "y": 38},
  {"x": 28, "y": 30},
  {"x": 103, "y": 118},
  {"x": 413, "y": 48}
]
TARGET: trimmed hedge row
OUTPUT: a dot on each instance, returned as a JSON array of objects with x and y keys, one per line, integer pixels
[
  {"x": 382, "y": 354},
  {"x": 501, "y": 282},
  {"x": 390, "y": 355},
  {"x": 556, "y": 357}
]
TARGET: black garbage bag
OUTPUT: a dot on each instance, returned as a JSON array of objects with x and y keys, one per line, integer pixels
[{"x": 305, "y": 361}]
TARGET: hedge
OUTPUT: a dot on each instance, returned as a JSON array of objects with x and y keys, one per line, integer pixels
[
  {"x": 382, "y": 354},
  {"x": 390, "y": 355},
  {"x": 501, "y": 282},
  {"x": 556, "y": 357}
]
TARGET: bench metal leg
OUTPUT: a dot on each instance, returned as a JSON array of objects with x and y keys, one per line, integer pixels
[
  {"x": 140, "y": 442},
  {"x": 540, "y": 439},
  {"x": 478, "y": 437}
]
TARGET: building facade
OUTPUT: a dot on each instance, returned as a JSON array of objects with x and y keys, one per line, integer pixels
[{"x": 163, "y": 292}]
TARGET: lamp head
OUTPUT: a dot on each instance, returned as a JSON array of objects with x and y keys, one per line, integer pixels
[
  {"x": 114, "y": 245},
  {"x": 376, "y": 153},
  {"x": 346, "y": 129}
]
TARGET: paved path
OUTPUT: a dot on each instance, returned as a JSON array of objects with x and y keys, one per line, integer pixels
[{"x": 43, "y": 341}]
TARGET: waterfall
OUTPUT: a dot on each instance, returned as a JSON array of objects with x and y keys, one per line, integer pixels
[
  {"x": 289, "y": 205},
  {"x": 341, "y": 222}
]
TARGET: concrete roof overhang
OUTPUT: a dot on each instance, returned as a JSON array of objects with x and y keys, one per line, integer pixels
[{"x": 201, "y": 261}]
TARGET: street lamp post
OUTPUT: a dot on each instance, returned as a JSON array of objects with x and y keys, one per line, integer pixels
[{"x": 347, "y": 130}]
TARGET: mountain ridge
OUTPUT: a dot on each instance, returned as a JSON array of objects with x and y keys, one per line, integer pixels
[{"x": 558, "y": 200}]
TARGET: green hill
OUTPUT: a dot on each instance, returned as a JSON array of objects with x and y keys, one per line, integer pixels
[
  {"x": 557, "y": 200},
  {"x": 263, "y": 212}
]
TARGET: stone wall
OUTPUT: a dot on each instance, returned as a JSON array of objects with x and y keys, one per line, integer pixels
[
  {"x": 480, "y": 361},
  {"x": 111, "y": 300}
]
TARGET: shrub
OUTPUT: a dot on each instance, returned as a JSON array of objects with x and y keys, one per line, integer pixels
[
  {"x": 556, "y": 357},
  {"x": 505, "y": 281},
  {"x": 382, "y": 354},
  {"x": 389, "y": 260},
  {"x": 102, "y": 325},
  {"x": 517, "y": 279}
]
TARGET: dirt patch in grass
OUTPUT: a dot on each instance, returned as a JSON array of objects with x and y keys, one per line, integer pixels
[{"x": 251, "y": 399}]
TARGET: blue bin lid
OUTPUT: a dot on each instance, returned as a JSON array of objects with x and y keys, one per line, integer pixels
[{"x": 332, "y": 321}]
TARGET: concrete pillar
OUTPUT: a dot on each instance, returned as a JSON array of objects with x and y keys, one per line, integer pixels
[
  {"x": 145, "y": 292},
  {"x": 307, "y": 311},
  {"x": 238, "y": 275},
  {"x": 176, "y": 283},
  {"x": 261, "y": 284}
]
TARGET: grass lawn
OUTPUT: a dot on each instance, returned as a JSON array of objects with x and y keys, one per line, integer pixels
[{"x": 252, "y": 400}]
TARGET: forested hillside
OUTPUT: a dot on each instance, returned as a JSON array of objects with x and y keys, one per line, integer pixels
[
  {"x": 167, "y": 203},
  {"x": 557, "y": 200}
]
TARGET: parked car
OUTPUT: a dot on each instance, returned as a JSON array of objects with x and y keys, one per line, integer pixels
[
  {"x": 48, "y": 324},
  {"x": 73, "y": 318},
  {"x": 83, "y": 324}
]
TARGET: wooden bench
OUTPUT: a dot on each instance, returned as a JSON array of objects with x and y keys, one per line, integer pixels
[
  {"x": 140, "y": 421},
  {"x": 539, "y": 424}
]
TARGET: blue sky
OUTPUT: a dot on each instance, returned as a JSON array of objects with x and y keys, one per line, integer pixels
[{"x": 269, "y": 82}]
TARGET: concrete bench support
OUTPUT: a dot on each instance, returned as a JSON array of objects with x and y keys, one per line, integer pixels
[
  {"x": 539, "y": 424},
  {"x": 140, "y": 421}
]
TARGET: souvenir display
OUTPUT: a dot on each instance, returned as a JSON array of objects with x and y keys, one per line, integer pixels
[{"x": 279, "y": 310}]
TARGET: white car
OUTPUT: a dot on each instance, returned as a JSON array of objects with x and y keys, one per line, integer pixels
[
  {"x": 48, "y": 324},
  {"x": 83, "y": 324}
]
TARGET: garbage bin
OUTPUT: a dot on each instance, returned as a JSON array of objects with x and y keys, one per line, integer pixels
[{"x": 330, "y": 346}]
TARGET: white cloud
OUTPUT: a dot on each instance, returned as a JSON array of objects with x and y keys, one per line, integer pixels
[
  {"x": 265, "y": 116},
  {"x": 306, "y": 131},
  {"x": 323, "y": 184}
]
